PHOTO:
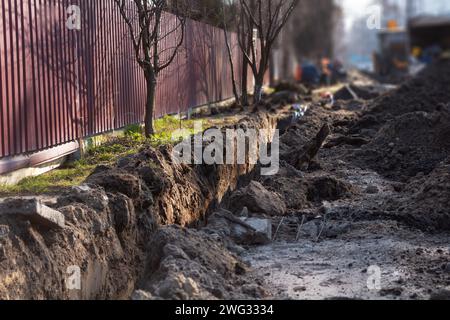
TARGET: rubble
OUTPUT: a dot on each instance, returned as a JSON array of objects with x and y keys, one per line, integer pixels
[
  {"x": 34, "y": 211},
  {"x": 243, "y": 230},
  {"x": 258, "y": 200},
  {"x": 363, "y": 184}
]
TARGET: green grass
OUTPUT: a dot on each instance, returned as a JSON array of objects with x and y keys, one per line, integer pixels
[{"x": 74, "y": 173}]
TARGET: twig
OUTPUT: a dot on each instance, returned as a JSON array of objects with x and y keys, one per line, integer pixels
[
  {"x": 300, "y": 228},
  {"x": 278, "y": 229}
]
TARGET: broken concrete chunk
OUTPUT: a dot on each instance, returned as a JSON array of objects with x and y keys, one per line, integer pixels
[
  {"x": 34, "y": 211},
  {"x": 243, "y": 231},
  {"x": 258, "y": 200},
  {"x": 262, "y": 227}
]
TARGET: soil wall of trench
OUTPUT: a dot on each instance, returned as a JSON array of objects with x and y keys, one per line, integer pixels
[{"x": 110, "y": 221}]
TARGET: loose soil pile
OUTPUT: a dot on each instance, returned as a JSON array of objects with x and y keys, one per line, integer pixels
[
  {"x": 412, "y": 126},
  {"x": 382, "y": 177}
]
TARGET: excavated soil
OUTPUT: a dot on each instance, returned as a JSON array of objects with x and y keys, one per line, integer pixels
[
  {"x": 388, "y": 213},
  {"x": 372, "y": 203}
]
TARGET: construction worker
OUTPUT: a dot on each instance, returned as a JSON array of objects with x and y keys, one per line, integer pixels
[{"x": 327, "y": 71}]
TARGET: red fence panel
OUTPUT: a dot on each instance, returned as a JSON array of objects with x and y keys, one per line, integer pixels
[{"x": 58, "y": 85}]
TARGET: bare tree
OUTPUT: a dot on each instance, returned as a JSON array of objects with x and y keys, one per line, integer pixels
[
  {"x": 148, "y": 29},
  {"x": 267, "y": 17},
  {"x": 226, "y": 21}
]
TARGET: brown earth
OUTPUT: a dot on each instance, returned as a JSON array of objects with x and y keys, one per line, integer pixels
[{"x": 376, "y": 194}]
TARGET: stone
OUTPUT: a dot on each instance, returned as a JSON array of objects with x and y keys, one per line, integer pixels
[
  {"x": 34, "y": 211},
  {"x": 141, "y": 295},
  {"x": 243, "y": 231},
  {"x": 263, "y": 229},
  {"x": 258, "y": 200}
]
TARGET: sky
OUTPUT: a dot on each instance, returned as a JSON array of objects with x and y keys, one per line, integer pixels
[{"x": 354, "y": 9}]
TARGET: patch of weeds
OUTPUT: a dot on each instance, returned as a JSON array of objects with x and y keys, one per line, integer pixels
[
  {"x": 50, "y": 182},
  {"x": 74, "y": 173}
]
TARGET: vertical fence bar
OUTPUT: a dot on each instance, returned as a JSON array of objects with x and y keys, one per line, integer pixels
[{"x": 58, "y": 85}]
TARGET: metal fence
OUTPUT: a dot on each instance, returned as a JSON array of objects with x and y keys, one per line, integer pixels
[{"x": 58, "y": 85}]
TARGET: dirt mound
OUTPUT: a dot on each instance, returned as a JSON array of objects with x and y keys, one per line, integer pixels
[
  {"x": 428, "y": 207},
  {"x": 410, "y": 144},
  {"x": 327, "y": 188},
  {"x": 351, "y": 92},
  {"x": 294, "y": 87},
  {"x": 188, "y": 264},
  {"x": 293, "y": 190},
  {"x": 103, "y": 237},
  {"x": 426, "y": 92},
  {"x": 257, "y": 199}
]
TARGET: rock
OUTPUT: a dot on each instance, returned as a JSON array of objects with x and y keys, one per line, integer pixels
[
  {"x": 140, "y": 295},
  {"x": 300, "y": 289},
  {"x": 263, "y": 228},
  {"x": 34, "y": 211},
  {"x": 258, "y": 200},
  {"x": 243, "y": 231},
  {"x": 372, "y": 190}
]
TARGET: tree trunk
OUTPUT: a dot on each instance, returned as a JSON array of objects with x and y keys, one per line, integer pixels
[
  {"x": 259, "y": 81},
  {"x": 150, "y": 104},
  {"x": 244, "y": 83},
  {"x": 230, "y": 60}
]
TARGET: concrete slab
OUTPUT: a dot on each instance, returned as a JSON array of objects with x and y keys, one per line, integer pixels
[{"x": 33, "y": 210}]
